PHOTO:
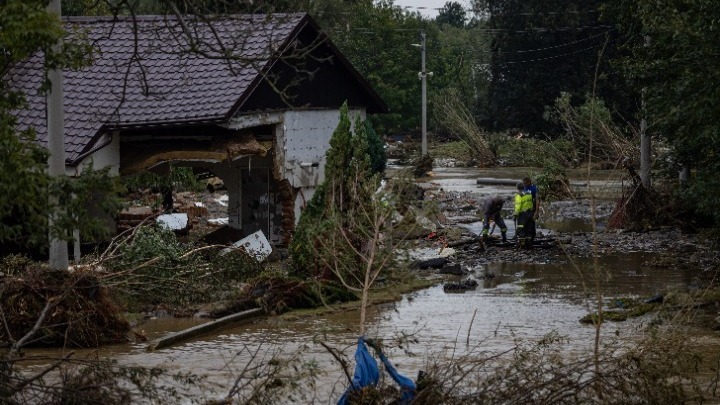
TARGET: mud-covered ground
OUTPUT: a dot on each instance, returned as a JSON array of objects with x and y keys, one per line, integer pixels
[
  {"x": 671, "y": 247},
  {"x": 570, "y": 223}
]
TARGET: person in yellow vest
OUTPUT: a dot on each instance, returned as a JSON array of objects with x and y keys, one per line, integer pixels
[{"x": 523, "y": 214}]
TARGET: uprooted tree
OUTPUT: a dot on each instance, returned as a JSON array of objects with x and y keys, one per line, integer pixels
[{"x": 454, "y": 116}]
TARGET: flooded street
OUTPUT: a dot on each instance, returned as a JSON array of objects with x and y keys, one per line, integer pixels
[
  {"x": 514, "y": 302},
  {"x": 521, "y": 302}
]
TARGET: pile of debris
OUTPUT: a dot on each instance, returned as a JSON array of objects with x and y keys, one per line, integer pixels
[
  {"x": 637, "y": 209},
  {"x": 77, "y": 309},
  {"x": 189, "y": 211}
]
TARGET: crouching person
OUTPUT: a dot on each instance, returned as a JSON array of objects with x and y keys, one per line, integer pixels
[{"x": 492, "y": 210}]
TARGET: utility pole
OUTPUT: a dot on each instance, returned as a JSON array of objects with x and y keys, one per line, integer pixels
[
  {"x": 644, "y": 152},
  {"x": 423, "y": 78},
  {"x": 645, "y": 146},
  {"x": 56, "y": 145}
]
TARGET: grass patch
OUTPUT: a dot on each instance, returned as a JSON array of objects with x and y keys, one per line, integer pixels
[
  {"x": 621, "y": 309},
  {"x": 457, "y": 150}
]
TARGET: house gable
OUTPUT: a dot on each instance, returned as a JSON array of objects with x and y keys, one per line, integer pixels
[
  {"x": 144, "y": 76},
  {"x": 323, "y": 79}
]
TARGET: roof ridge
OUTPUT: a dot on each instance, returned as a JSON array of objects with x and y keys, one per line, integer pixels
[{"x": 153, "y": 17}]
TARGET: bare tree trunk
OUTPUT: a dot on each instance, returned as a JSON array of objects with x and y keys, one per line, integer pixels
[{"x": 363, "y": 305}]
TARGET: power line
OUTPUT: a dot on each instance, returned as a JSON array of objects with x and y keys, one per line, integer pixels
[
  {"x": 371, "y": 30},
  {"x": 534, "y": 50},
  {"x": 551, "y": 57},
  {"x": 542, "y": 13}
]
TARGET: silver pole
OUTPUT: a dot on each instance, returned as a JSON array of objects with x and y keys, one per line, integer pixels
[{"x": 56, "y": 145}]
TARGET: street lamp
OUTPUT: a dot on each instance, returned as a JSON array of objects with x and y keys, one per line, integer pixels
[{"x": 422, "y": 75}]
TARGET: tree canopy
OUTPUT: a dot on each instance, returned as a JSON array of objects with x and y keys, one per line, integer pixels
[
  {"x": 452, "y": 13},
  {"x": 539, "y": 50},
  {"x": 668, "y": 54}
]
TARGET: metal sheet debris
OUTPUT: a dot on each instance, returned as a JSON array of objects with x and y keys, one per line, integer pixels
[{"x": 255, "y": 244}]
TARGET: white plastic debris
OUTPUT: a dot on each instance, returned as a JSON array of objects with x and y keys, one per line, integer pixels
[
  {"x": 256, "y": 245},
  {"x": 174, "y": 222},
  {"x": 430, "y": 253},
  {"x": 223, "y": 200},
  {"x": 219, "y": 221}
]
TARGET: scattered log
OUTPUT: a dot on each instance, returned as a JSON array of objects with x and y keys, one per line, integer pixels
[
  {"x": 434, "y": 263},
  {"x": 184, "y": 335}
]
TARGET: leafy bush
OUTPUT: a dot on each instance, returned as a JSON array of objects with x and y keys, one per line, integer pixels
[
  {"x": 591, "y": 129},
  {"x": 77, "y": 203},
  {"x": 422, "y": 165},
  {"x": 457, "y": 150},
  {"x": 15, "y": 265},
  {"x": 454, "y": 116},
  {"x": 534, "y": 152},
  {"x": 552, "y": 181},
  {"x": 376, "y": 149}
]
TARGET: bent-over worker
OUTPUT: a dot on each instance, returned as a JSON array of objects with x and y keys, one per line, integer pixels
[{"x": 492, "y": 209}]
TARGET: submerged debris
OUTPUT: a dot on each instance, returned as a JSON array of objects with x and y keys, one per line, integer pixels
[
  {"x": 464, "y": 285},
  {"x": 277, "y": 295}
]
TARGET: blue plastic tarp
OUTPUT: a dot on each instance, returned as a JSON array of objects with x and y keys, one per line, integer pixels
[
  {"x": 407, "y": 386},
  {"x": 367, "y": 373}
]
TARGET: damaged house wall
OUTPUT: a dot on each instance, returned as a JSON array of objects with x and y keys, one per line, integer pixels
[
  {"x": 305, "y": 140},
  {"x": 274, "y": 191}
]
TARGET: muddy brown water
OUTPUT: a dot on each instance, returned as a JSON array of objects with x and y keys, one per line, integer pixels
[{"x": 519, "y": 302}]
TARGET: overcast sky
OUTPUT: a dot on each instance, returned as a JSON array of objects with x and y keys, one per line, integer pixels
[{"x": 431, "y": 6}]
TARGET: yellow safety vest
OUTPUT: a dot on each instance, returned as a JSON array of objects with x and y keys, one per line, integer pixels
[{"x": 523, "y": 202}]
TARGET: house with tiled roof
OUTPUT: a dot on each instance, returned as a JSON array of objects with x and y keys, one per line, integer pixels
[{"x": 252, "y": 98}]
